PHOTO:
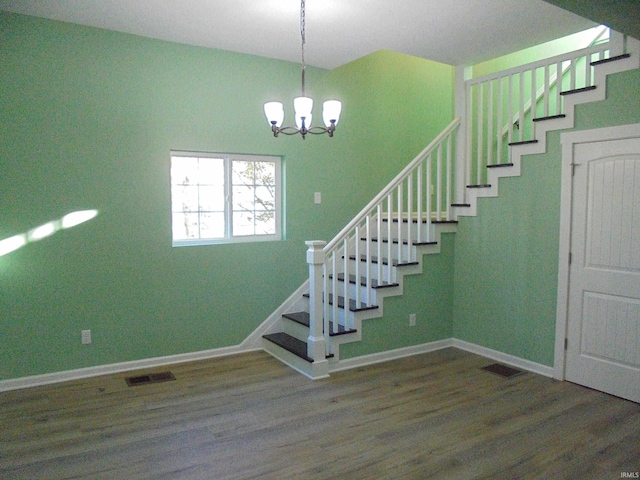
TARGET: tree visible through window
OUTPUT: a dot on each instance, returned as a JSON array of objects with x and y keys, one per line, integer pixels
[{"x": 224, "y": 198}]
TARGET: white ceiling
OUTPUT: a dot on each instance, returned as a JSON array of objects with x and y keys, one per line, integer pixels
[{"x": 338, "y": 31}]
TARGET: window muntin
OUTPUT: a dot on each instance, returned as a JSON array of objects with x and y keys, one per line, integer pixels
[{"x": 224, "y": 198}]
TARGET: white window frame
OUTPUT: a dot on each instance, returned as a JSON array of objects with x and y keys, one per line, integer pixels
[{"x": 229, "y": 237}]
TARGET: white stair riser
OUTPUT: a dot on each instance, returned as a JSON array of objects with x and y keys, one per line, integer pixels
[
  {"x": 295, "y": 329},
  {"x": 403, "y": 228}
]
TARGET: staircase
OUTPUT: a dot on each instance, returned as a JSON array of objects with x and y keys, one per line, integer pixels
[{"x": 505, "y": 116}]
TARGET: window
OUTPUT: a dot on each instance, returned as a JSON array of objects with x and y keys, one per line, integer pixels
[{"x": 221, "y": 198}]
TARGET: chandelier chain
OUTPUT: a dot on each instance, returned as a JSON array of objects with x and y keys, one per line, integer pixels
[{"x": 303, "y": 28}]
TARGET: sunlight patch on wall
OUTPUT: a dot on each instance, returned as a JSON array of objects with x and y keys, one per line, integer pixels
[
  {"x": 11, "y": 244},
  {"x": 72, "y": 219}
]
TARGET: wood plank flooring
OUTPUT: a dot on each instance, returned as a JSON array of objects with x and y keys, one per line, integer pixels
[{"x": 436, "y": 415}]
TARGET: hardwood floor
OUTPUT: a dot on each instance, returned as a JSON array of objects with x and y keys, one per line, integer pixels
[{"x": 436, "y": 415}]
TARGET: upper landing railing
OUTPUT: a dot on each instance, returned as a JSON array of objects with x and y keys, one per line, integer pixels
[{"x": 503, "y": 108}]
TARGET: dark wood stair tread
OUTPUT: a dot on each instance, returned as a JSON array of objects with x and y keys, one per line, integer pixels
[
  {"x": 578, "y": 90},
  {"x": 289, "y": 343},
  {"x": 523, "y": 142},
  {"x": 415, "y": 220},
  {"x": 501, "y": 165},
  {"x": 353, "y": 307},
  {"x": 610, "y": 59},
  {"x": 363, "y": 258},
  {"x": 299, "y": 317},
  {"x": 363, "y": 281},
  {"x": 550, "y": 117},
  {"x": 404, "y": 242},
  {"x": 303, "y": 319}
]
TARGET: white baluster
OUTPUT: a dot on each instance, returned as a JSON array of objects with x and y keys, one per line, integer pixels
[
  {"x": 334, "y": 289},
  {"x": 389, "y": 230},
  {"x": 480, "y": 134},
  {"x": 533, "y": 102},
  {"x": 419, "y": 202},
  {"x": 336, "y": 310},
  {"x": 490, "y": 124},
  {"x": 468, "y": 163},
  {"x": 400, "y": 215},
  {"x": 368, "y": 265},
  {"x": 547, "y": 88},
  {"x": 379, "y": 236},
  {"x": 429, "y": 169},
  {"x": 439, "y": 183},
  {"x": 510, "y": 108},
  {"x": 499, "y": 132},
  {"x": 521, "y": 108},
  {"x": 409, "y": 216},
  {"x": 559, "y": 88},
  {"x": 449, "y": 175}
]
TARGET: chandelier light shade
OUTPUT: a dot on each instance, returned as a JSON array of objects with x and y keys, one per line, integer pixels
[
  {"x": 303, "y": 106},
  {"x": 275, "y": 113}
]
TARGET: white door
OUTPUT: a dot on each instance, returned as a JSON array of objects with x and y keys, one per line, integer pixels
[{"x": 603, "y": 332}]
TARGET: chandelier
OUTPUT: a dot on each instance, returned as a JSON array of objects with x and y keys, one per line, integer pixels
[{"x": 302, "y": 105}]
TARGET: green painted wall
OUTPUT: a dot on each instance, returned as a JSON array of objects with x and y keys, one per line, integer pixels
[
  {"x": 506, "y": 257},
  {"x": 87, "y": 120},
  {"x": 539, "y": 52}
]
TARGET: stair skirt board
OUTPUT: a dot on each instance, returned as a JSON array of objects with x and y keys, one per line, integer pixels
[
  {"x": 311, "y": 370},
  {"x": 292, "y": 322}
]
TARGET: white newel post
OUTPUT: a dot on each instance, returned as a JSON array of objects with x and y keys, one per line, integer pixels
[{"x": 316, "y": 344}]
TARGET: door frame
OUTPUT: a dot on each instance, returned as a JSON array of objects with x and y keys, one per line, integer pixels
[{"x": 568, "y": 141}]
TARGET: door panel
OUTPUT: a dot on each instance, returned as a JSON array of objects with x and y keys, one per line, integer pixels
[{"x": 604, "y": 277}]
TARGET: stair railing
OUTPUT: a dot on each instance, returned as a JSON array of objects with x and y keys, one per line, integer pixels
[
  {"x": 362, "y": 255},
  {"x": 503, "y": 108}
]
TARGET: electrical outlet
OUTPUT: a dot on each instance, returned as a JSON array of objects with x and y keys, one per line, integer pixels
[
  {"x": 317, "y": 198},
  {"x": 86, "y": 337},
  {"x": 412, "y": 320}
]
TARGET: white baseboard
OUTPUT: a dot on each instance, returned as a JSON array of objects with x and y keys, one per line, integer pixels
[
  {"x": 252, "y": 343},
  {"x": 64, "y": 376},
  {"x": 245, "y": 347},
  {"x": 504, "y": 358},
  {"x": 438, "y": 345},
  {"x": 374, "y": 358}
]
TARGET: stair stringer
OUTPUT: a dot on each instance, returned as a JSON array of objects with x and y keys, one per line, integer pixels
[
  {"x": 317, "y": 370},
  {"x": 400, "y": 273},
  {"x": 601, "y": 72}
]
